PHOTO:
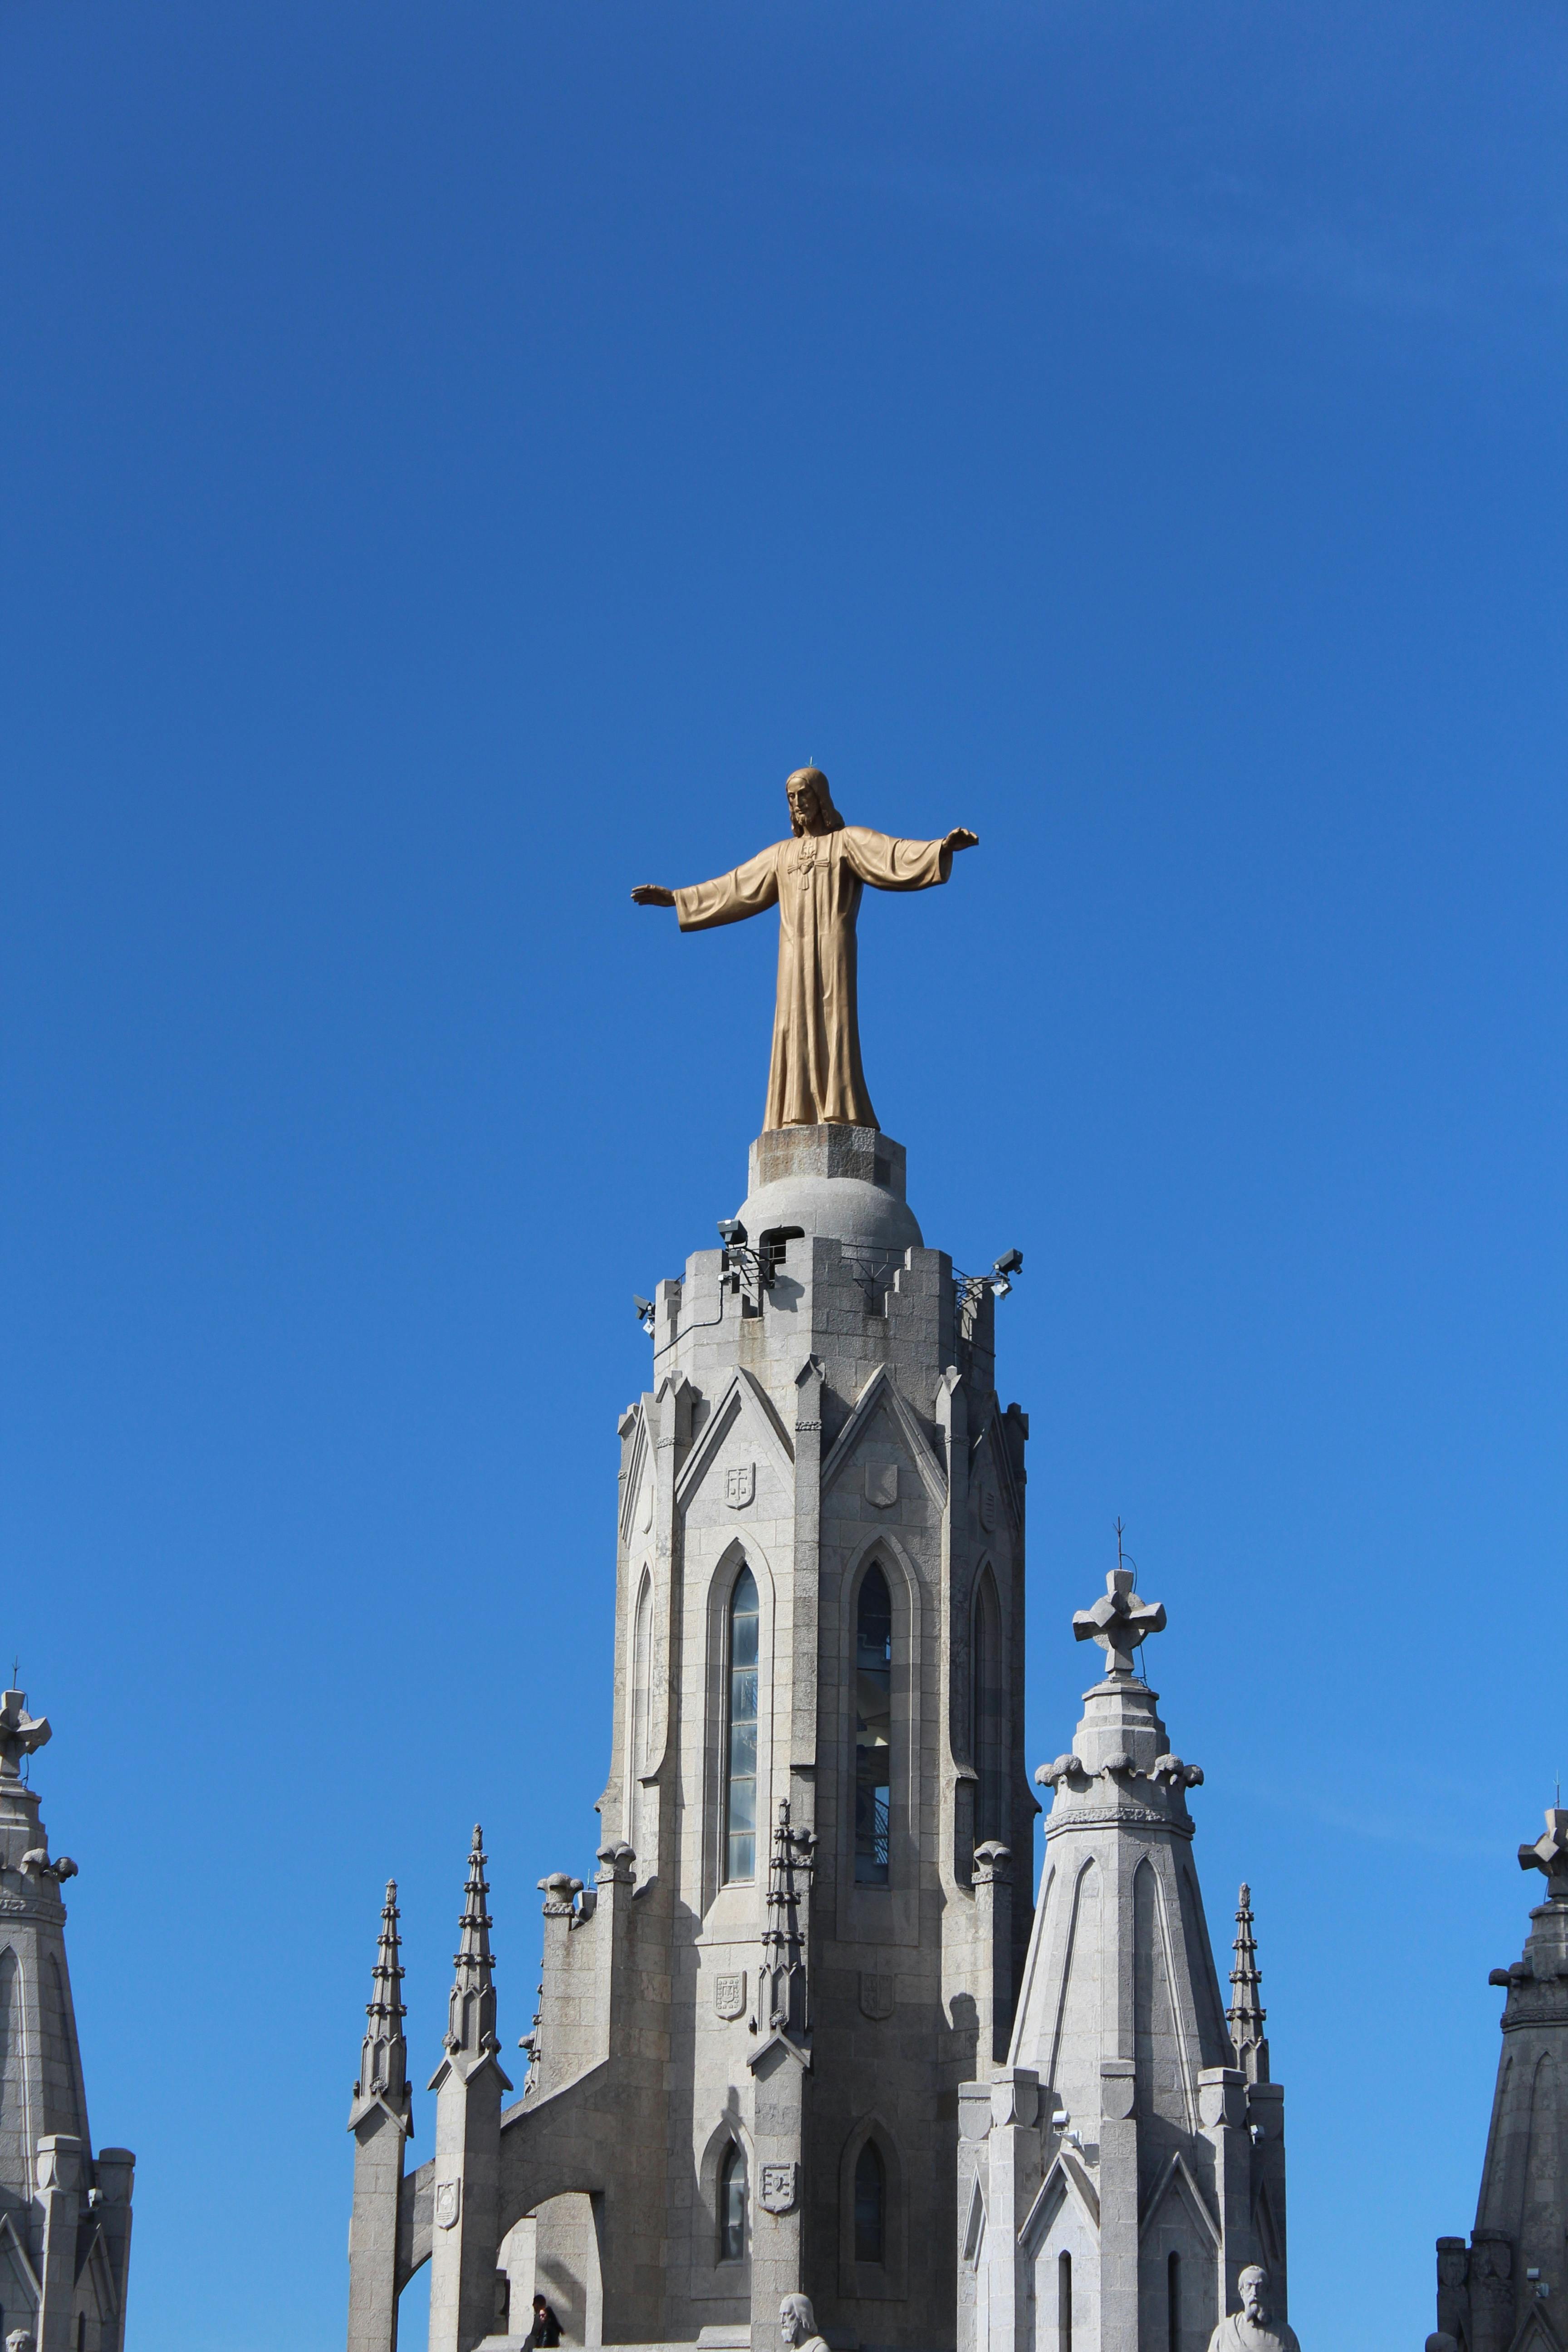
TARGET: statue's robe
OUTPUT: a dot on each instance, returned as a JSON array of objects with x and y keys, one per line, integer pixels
[
  {"x": 816, "y": 880},
  {"x": 1237, "y": 2334}
]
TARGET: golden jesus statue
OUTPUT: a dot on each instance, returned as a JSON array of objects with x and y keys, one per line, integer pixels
[{"x": 816, "y": 880}]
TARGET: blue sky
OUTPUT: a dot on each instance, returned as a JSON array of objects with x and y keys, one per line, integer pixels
[{"x": 455, "y": 461}]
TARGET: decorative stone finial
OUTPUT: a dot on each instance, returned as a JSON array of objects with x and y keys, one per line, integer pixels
[
  {"x": 1119, "y": 1622},
  {"x": 1548, "y": 1854},
  {"x": 20, "y": 1733},
  {"x": 384, "y": 2054},
  {"x": 1247, "y": 2013},
  {"x": 471, "y": 2008}
]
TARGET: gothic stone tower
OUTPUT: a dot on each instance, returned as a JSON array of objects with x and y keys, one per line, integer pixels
[
  {"x": 1507, "y": 2291},
  {"x": 1125, "y": 2166},
  {"x": 65, "y": 2215},
  {"x": 803, "y": 1937}
]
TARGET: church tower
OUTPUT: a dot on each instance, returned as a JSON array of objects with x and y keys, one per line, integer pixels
[
  {"x": 1125, "y": 2166},
  {"x": 65, "y": 2215},
  {"x": 804, "y": 1933},
  {"x": 1507, "y": 2291}
]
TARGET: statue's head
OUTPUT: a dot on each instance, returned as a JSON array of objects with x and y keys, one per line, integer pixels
[
  {"x": 1253, "y": 2288},
  {"x": 796, "y": 2319},
  {"x": 811, "y": 808},
  {"x": 19, "y": 2340}
]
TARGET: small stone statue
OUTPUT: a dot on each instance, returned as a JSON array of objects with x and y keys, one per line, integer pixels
[
  {"x": 19, "y": 2340},
  {"x": 798, "y": 2325},
  {"x": 1254, "y": 2328}
]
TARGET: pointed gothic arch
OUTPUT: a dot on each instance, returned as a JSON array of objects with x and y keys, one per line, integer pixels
[
  {"x": 872, "y": 2213},
  {"x": 989, "y": 1746},
  {"x": 733, "y": 1681}
]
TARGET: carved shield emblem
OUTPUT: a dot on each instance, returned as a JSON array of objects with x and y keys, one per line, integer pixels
[
  {"x": 882, "y": 1483},
  {"x": 876, "y": 1995},
  {"x": 987, "y": 1506},
  {"x": 778, "y": 2188},
  {"x": 448, "y": 2203},
  {"x": 740, "y": 1485},
  {"x": 730, "y": 1995}
]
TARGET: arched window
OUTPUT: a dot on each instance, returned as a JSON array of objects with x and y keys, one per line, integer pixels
[
  {"x": 990, "y": 1754},
  {"x": 873, "y": 1728},
  {"x": 1064, "y": 2302},
  {"x": 1173, "y": 2304},
  {"x": 870, "y": 2202},
  {"x": 642, "y": 1695},
  {"x": 733, "y": 2205},
  {"x": 740, "y": 1733}
]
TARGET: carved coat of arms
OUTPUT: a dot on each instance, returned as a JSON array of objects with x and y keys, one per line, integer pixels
[
  {"x": 876, "y": 1995},
  {"x": 740, "y": 1485},
  {"x": 780, "y": 2183},
  {"x": 730, "y": 1995},
  {"x": 882, "y": 1483},
  {"x": 448, "y": 2203}
]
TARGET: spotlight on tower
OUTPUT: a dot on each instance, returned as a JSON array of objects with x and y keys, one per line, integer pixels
[
  {"x": 731, "y": 1232},
  {"x": 645, "y": 1311},
  {"x": 1010, "y": 1262}
]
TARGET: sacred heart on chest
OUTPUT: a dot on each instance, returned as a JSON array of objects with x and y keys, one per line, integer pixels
[{"x": 740, "y": 1485}]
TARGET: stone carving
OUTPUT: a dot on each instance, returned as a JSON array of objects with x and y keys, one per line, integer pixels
[
  {"x": 993, "y": 1863},
  {"x": 1548, "y": 1854},
  {"x": 740, "y": 1485},
  {"x": 1172, "y": 1769},
  {"x": 816, "y": 880},
  {"x": 988, "y": 1506},
  {"x": 778, "y": 2188},
  {"x": 882, "y": 1483},
  {"x": 560, "y": 1895},
  {"x": 1119, "y": 1622},
  {"x": 20, "y": 1733},
  {"x": 876, "y": 1996},
  {"x": 36, "y": 1864},
  {"x": 19, "y": 2340},
  {"x": 730, "y": 1994},
  {"x": 448, "y": 2203},
  {"x": 798, "y": 2325},
  {"x": 615, "y": 1863},
  {"x": 1254, "y": 2328},
  {"x": 645, "y": 1505}
]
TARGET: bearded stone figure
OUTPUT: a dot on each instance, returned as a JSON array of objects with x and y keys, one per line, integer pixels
[
  {"x": 816, "y": 879},
  {"x": 1254, "y": 2328}
]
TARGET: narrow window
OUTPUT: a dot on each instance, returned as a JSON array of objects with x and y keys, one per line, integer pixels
[
  {"x": 81, "y": 2331},
  {"x": 873, "y": 1728},
  {"x": 1064, "y": 2302},
  {"x": 1173, "y": 2304},
  {"x": 733, "y": 2205},
  {"x": 870, "y": 2203},
  {"x": 990, "y": 1737},
  {"x": 642, "y": 1695},
  {"x": 740, "y": 1759}
]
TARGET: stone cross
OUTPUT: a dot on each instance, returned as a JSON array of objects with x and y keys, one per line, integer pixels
[
  {"x": 1549, "y": 1854},
  {"x": 20, "y": 1733},
  {"x": 1120, "y": 1621}
]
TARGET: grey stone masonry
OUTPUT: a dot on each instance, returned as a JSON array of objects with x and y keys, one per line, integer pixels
[
  {"x": 65, "y": 2215},
  {"x": 1507, "y": 2291},
  {"x": 819, "y": 1606},
  {"x": 1127, "y": 2163}
]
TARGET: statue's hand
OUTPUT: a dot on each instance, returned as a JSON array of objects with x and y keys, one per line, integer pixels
[
  {"x": 653, "y": 894},
  {"x": 962, "y": 838}
]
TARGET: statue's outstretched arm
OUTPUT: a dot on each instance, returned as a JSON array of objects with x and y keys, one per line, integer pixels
[
  {"x": 888, "y": 863},
  {"x": 749, "y": 890}
]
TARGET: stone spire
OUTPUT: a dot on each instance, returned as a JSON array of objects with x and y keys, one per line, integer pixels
[
  {"x": 471, "y": 2010},
  {"x": 1508, "y": 2287},
  {"x": 383, "y": 2055},
  {"x": 1125, "y": 2166},
  {"x": 468, "y": 2084},
  {"x": 1246, "y": 2014},
  {"x": 380, "y": 2121},
  {"x": 783, "y": 2007},
  {"x": 66, "y": 2247}
]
